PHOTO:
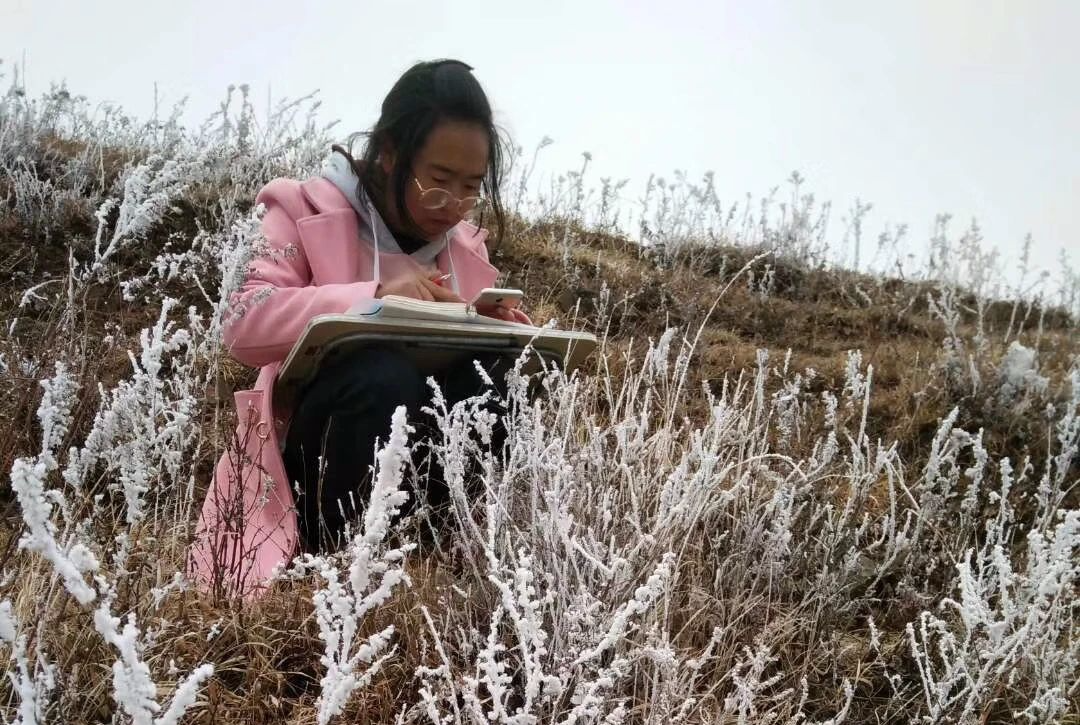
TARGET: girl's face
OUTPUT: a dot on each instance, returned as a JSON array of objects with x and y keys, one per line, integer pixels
[{"x": 455, "y": 158}]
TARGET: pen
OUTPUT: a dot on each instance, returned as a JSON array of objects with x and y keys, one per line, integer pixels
[{"x": 442, "y": 278}]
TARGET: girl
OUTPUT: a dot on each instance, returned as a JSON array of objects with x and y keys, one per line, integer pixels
[{"x": 390, "y": 222}]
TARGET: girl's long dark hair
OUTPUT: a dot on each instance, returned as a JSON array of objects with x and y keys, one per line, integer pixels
[{"x": 425, "y": 95}]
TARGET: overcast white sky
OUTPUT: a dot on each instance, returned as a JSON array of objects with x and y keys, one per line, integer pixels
[{"x": 965, "y": 106}]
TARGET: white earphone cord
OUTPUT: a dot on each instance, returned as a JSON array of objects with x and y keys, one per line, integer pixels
[{"x": 375, "y": 239}]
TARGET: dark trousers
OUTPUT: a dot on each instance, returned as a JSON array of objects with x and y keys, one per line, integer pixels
[{"x": 342, "y": 413}]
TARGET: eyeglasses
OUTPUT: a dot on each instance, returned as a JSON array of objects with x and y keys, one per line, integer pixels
[{"x": 436, "y": 198}]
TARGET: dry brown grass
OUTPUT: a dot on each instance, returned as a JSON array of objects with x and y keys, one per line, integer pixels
[
  {"x": 266, "y": 655},
  {"x": 814, "y": 314}
]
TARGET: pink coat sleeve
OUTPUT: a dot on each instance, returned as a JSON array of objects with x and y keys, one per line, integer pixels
[{"x": 275, "y": 302}]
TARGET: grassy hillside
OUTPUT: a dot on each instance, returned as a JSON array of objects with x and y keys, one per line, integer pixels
[{"x": 783, "y": 491}]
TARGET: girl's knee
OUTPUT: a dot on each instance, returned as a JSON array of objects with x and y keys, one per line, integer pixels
[{"x": 369, "y": 378}]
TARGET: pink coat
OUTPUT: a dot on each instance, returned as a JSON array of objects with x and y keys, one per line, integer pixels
[{"x": 316, "y": 263}]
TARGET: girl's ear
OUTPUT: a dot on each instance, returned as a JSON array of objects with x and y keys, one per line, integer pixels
[{"x": 386, "y": 158}]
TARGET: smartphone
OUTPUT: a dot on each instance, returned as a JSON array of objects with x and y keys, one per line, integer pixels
[{"x": 497, "y": 297}]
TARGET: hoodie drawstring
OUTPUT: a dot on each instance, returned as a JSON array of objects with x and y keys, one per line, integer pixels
[
  {"x": 375, "y": 239},
  {"x": 450, "y": 255}
]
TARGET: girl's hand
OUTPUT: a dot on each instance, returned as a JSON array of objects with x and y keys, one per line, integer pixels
[
  {"x": 497, "y": 311},
  {"x": 504, "y": 313},
  {"x": 418, "y": 287}
]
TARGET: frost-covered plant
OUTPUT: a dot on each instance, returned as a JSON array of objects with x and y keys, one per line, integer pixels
[
  {"x": 144, "y": 426},
  {"x": 31, "y": 682},
  {"x": 149, "y": 189},
  {"x": 69, "y": 556},
  {"x": 1019, "y": 381},
  {"x": 1015, "y": 626},
  {"x": 133, "y": 688},
  {"x": 43, "y": 205},
  {"x": 640, "y": 551},
  {"x": 374, "y": 571},
  {"x": 139, "y": 435},
  {"x": 548, "y": 541},
  {"x": 961, "y": 371}
]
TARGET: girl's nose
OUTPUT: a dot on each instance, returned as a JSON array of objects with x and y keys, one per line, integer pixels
[
  {"x": 454, "y": 214},
  {"x": 455, "y": 207},
  {"x": 451, "y": 213}
]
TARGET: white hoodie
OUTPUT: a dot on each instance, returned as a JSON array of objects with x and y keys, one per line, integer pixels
[{"x": 337, "y": 170}]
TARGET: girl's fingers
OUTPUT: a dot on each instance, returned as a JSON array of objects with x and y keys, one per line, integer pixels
[
  {"x": 438, "y": 293},
  {"x": 498, "y": 312}
]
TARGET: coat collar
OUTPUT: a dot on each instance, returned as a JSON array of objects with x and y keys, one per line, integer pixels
[
  {"x": 323, "y": 195},
  {"x": 325, "y": 198},
  {"x": 340, "y": 256}
]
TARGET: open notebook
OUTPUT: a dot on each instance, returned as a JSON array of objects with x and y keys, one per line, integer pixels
[
  {"x": 397, "y": 307},
  {"x": 434, "y": 334}
]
